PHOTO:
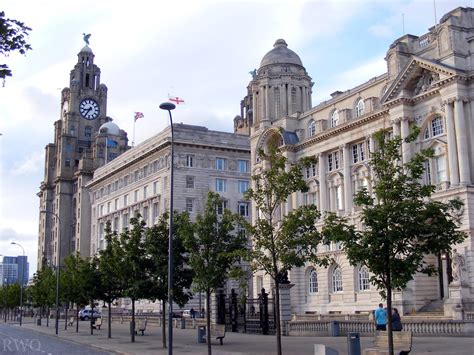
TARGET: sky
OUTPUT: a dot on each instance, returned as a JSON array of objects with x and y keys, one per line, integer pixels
[{"x": 201, "y": 51}]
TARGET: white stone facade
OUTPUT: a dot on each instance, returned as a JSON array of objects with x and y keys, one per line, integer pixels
[{"x": 428, "y": 84}]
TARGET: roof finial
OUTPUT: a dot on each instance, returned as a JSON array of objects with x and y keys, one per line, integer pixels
[{"x": 86, "y": 38}]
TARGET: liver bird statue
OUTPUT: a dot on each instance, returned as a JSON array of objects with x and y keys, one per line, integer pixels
[{"x": 86, "y": 38}]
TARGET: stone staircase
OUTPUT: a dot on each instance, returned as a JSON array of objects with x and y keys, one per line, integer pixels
[{"x": 433, "y": 310}]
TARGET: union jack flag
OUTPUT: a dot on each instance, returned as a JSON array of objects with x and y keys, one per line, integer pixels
[{"x": 138, "y": 115}]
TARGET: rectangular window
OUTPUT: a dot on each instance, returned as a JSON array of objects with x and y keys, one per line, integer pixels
[
  {"x": 145, "y": 188},
  {"x": 221, "y": 206},
  {"x": 190, "y": 182},
  {"x": 189, "y": 161},
  {"x": 339, "y": 197},
  {"x": 259, "y": 284},
  {"x": 244, "y": 209},
  {"x": 116, "y": 204},
  {"x": 440, "y": 169},
  {"x": 358, "y": 152},
  {"x": 243, "y": 166},
  {"x": 220, "y": 185},
  {"x": 428, "y": 173},
  {"x": 220, "y": 164},
  {"x": 145, "y": 214},
  {"x": 156, "y": 187},
  {"x": 116, "y": 224},
  {"x": 136, "y": 195},
  {"x": 165, "y": 183},
  {"x": 125, "y": 221},
  {"x": 108, "y": 207},
  {"x": 101, "y": 210},
  {"x": 189, "y": 204},
  {"x": 333, "y": 161},
  {"x": 125, "y": 200},
  {"x": 243, "y": 186},
  {"x": 156, "y": 210}
]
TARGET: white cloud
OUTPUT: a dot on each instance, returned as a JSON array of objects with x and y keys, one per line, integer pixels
[{"x": 31, "y": 164}]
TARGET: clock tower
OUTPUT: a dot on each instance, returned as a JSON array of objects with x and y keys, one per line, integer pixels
[{"x": 80, "y": 143}]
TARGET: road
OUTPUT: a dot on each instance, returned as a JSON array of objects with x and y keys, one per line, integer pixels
[{"x": 19, "y": 340}]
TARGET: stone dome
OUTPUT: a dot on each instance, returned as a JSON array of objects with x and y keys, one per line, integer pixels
[
  {"x": 110, "y": 128},
  {"x": 280, "y": 54},
  {"x": 86, "y": 49}
]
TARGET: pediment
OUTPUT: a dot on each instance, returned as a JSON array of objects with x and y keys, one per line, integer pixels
[{"x": 418, "y": 77}]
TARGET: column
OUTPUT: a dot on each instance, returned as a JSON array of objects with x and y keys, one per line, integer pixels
[
  {"x": 290, "y": 111},
  {"x": 396, "y": 127},
  {"x": 322, "y": 183},
  {"x": 452, "y": 148},
  {"x": 405, "y": 146},
  {"x": 283, "y": 96},
  {"x": 255, "y": 115},
  {"x": 305, "y": 100},
  {"x": 347, "y": 179},
  {"x": 461, "y": 140},
  {"x": 267, "y": 102}
]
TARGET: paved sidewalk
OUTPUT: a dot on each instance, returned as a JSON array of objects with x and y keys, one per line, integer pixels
[{"x": 185, "y": 342}]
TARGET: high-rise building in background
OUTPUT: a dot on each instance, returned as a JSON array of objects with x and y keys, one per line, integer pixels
[{"x": 12, "y": 268}]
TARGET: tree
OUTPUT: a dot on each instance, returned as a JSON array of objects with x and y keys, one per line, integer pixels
[
  {"x": 213, "y": 249},
  {"x": 402, "y": 224},
  {"x": 156, "y": 245},
  {"x": 133, "y": 266},
  {"x": 43, "y": 291},
  {"x": 109, "y": 262},
  {"x": 281, "y": 243},
  {"x": 74, "y": 282},
  {"x": 13, "y": 35}
]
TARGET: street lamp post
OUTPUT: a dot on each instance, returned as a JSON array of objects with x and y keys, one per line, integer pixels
[
  {"x": 21, "y": 281},
  {"x": 168, "y": 106},
  {"x": 57, "y": 268}
]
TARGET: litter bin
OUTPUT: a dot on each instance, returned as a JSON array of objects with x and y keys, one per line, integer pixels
[
  {"x": 201, "y": 334},
  {"x": 38, "y": 321},
  {"x": 353, "y": 344},
  {"x": 183, "y": 323},
  {"x": 334, "y": 328}
]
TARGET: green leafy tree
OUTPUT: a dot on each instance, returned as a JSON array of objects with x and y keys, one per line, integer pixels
[
  {"x": 74, "y": 282},
  {"x": 133, "y": 268},
  {"x": 156, "y": 244},
  {"x": 13, "y": 35},
  {"x": 43, "y": 291},
  {"x": 110, "y": 259},
  {"x": 213, "y": 250},
  {"x": 93, "y": 287},
  {"x": 281, "y": 243},
  {"x": 402, "y": 224}
]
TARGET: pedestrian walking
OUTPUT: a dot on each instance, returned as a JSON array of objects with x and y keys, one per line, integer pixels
[
  {"x": 380, "y": 318},
  {"x": 396, "y": 321}
]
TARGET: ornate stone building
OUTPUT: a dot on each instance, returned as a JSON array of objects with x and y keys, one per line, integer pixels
[
  {"x": 84, "y": 139},
  {"x": 428, "y": 84}
]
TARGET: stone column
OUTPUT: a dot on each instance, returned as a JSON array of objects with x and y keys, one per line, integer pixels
[
  {"x": 255, "y": 115},
  {"x": 285, "y": 306},
  {"x": 267, "y": 101},
  {"x": 283, "y": 96},
  {"x": 322, "y": 183},
  {"x": 405, "y": 132},
  {"x": 347, "y": 179},
  {"x": 396, "y": 127},
  {"x": 305, "y": 100},
  {"x": 290, "y": 110},
  {"x": 461, "y": 140},
  {"x": 452, "y": 148}
]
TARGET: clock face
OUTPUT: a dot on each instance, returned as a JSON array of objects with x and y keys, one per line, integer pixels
[{"x": 89, "y": 109}]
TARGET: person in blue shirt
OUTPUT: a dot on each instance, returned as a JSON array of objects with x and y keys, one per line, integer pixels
[{"x": 380, "y": 317}]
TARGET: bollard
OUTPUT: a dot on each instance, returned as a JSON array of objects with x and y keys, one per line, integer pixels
[
  {"x": 353, "y": 344},
  {"x": 183, "y": 323}
]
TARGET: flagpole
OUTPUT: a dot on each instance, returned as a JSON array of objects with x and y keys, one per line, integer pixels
[
  {"x": 133, "y": 140},
  {"x": 106, "y": 146}
]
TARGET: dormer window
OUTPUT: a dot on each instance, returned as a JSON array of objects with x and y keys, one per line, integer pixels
[
  {"x": 334, "y": 120},
  {"x": 359, "y": 108}
]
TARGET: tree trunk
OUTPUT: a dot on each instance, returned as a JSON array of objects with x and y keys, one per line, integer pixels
[
  {"x": 109, "y": 325},
  {"x": 92, "y": 317},
  {"x": 208, "y": 322},
  {"x": 277, "y": 316},
  {"x": 133, "y": 320},
  {"x": 65, "y": 317},
  {"x": 389, "y": 316},
  {"x": 47, "y": 316},
  {"x": 163, "y": 322},
  {"x": 77, "y": 317}
]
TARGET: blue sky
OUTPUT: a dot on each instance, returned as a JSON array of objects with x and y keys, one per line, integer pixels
[{"x": 199, "y": 50}]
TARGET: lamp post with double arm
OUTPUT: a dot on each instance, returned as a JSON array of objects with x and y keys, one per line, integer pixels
[
  {"x": 21, "y": 280},
  {"x": 168, "y": 106},
  {"x": 58, "y": 262}
]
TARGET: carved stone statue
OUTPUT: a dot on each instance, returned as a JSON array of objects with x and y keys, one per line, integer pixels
[
  {"x": 86, "y": 37},
  {"x": 253, "y": 73},
  {"x": 457, "y": 265}
]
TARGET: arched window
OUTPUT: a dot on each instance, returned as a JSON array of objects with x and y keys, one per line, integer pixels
[
  {"x": 337, "y": 279},
  {"x": 311, "y": 128},
  {"x": 437, "y": 126},
  {"x": 359, "y": 108},
  {"x": 334, "y": 118},
  {"x": 276, "y": 94},
  {"x": 313, "y": 282},
  {"x": 363, "y": 276}
]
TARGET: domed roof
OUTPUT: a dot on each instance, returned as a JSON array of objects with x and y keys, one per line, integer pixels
[
  {"x": 280, "y": 54},
  {"x": 111, "y": 128},
  {"x": 86, "y": 49}
]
